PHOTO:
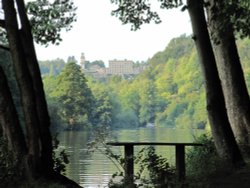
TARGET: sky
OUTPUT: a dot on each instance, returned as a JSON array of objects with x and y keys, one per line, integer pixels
[{"x": 101, "y": 36}]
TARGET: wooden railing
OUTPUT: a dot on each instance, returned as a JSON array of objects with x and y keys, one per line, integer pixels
[{"x": 129, "y": 159}]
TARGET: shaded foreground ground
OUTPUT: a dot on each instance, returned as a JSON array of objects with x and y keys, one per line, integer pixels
[
  {"x": 239, "y": 178},
  {"x": 229, "y": 179},
  {"x": 225, "y": 179}
]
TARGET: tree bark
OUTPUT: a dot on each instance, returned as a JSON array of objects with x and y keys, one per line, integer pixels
[
  {"x": 231, "y": 73},
  {"x": 41, "y": 104},
  {"x": 9, "y": 121},
  {"x": 34, "y": 105},
  {"x": 221, "y": 130},
  {"x": 25, "y": 84}
]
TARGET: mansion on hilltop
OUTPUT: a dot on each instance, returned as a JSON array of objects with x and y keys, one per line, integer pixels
[{"x": 124, "y": 68}]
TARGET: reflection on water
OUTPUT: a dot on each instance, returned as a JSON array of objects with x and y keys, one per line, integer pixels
[{"x": 95, "y": 170}]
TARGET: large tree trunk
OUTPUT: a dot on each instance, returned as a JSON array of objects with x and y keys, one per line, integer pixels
[
  {"x": 39, "y": 144},
  {"x": 221, "y": 130},
  {"x": 9, "y": 121},
  {"x": 11, "y": 128},
  {"x": 25, "y": 84},
  {"x": 231, "y": 73},
  {"x": 41, "y": 104}
]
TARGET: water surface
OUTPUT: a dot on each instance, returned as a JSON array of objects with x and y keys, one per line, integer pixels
[{"x": 95, "y": 170}]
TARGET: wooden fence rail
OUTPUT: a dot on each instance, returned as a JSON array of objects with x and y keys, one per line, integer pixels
[{"x": 129, "y": 156}]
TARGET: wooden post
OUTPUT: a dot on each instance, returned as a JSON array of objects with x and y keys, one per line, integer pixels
[
  {"x": 129, "y": 163},
  {"x": 180, "y": 161}
]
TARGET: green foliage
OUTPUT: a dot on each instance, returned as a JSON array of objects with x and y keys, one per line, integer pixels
[
  {"x": 140, "y": 12},
  {"x": 157, "y": 169},
  {"x": 177, "y": 47},
  {"x": 48, "y": 18},
  {"x": 102, "y": 114},
  {"x": 170, "y": 92},
  {"x": 69, "y": 98},
  {"x": 160, "y": 173},
  {"x": 112, "y": 100},
  {"x": 126, "y": 119},
  {"x": 59, "y": 156},
  {"x": 153, "y": 170},
  {"x": 135, "y": 13},
  {"x": 203, "y": 162},
  {"x": 73, "y": 93},
  {"x": 147, "y": 101},
  {"x": 236, "y": 13},
  {"x": 99, "y": 63},
  {"x": 51, "y": 67}
]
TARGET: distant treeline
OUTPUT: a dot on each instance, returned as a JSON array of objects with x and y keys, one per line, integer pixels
[{"x": 169, "y": 93}]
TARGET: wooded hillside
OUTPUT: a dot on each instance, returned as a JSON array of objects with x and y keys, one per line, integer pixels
[{"x": 169, "y": 93}]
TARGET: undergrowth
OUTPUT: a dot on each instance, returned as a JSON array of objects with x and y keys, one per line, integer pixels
[
  {"x": 11, "y": 168},
  {"x": 153, "y": 170},
  {"x": 59, "y": 156},
  {"x": 203, "y": 163}
]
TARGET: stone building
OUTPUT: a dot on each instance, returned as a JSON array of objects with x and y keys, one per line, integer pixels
[
  {"x": 120, "y": 67},
  {"x": 124, "y": 68}
]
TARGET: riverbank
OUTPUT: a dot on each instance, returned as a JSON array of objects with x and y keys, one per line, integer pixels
[
  {"x": 41, "y": 183},
  {"x": 54, "y": 181}
]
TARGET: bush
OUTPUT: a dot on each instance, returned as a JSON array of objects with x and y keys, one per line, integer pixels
[
  {"x": 154, "y": 171},
  {"x": 59, "y": 156},
  {"x": 203, "y": 162},
  {"x": 160, "y": 173}
]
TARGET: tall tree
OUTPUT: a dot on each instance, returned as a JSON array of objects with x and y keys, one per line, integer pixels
[
  {"x": 222, "y": 133},
  {"x": 147, "y": 100},
  {"x": 24, "y": 79},
  {"x": 229, "y": 67},
  {"x": 73, "y": 94},
  {"x": 37, "y": 160},
  {"x": 40, "y": 101},
  {"x": 102, "y": 115}
]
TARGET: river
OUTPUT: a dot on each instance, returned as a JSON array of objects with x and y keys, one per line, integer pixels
[{"x": 95, "y": 170}]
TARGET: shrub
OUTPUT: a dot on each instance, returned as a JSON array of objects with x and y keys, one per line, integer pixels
[
  {"x": 203, "y": 162},
  {"x": 160, "y": 173},
  {"x": 155, "y": 169},
  {"x": 59, "y": 156}
]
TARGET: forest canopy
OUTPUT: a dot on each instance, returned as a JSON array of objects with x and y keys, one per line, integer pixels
[{"x": 169, "y": 93}]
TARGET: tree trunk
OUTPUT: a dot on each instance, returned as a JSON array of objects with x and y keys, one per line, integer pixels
[
  {"x": 231, "y": 73},
  {"x": 9, "y": 121},
  {"x": 221, "y": 130},
  {"x": 25, "y": 84},
  {"x": 41, "y": 104},
  {"x": 38, "y": 154}
]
